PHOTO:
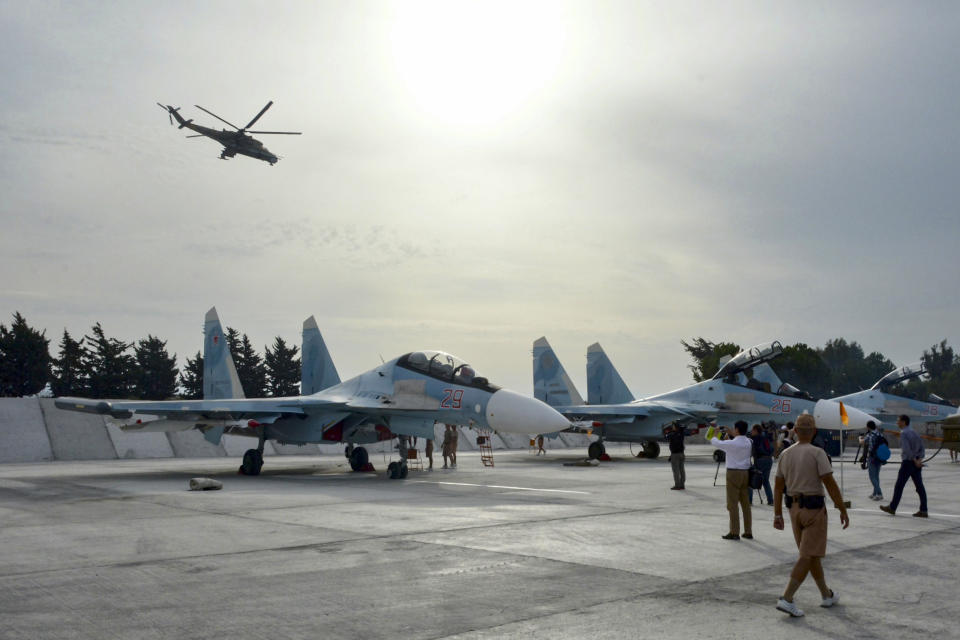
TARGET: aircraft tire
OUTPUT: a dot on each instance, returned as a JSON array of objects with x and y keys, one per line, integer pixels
[
  {"x": 595, "y": 450},
  {"x": 252, "y": 463},
  {"x": 393, "y": 470},
  {"x": 651, "y": 450},
  {"x": 359, "y": 458},
  {"x": 719, "y": 456},
  {"x": 404, "y": 470}
]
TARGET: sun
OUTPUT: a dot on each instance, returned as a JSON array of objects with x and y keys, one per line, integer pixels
[{"x": 476, "y": 63}]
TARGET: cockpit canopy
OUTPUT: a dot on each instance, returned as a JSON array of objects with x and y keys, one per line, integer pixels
[
  {"x": 749, "y": 358},
  {"x": 897, "y": 376},
  {"x": 444, "y": 366}
]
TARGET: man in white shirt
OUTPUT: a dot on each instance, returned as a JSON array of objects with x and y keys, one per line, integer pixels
[{"x": 738, "y": 452}]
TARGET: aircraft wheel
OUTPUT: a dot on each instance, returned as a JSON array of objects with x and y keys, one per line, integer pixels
[
  {"x": 348, "y": 451},
  {"x": 403, "y": 470},
  {"x": 719, "y": 456},
  {"x": 252, "y": 463},
  {"x": 359, "y": 458},
  {"x": 393, "y": 470},
  {"x": 651, "y": 450},
  {"x": 595, "y": 450}
]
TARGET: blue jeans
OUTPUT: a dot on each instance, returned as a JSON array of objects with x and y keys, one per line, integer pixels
[
  {"x": 908, "y": 470},
  {"x": 764, "y": 464},
  {"x": 873, "y": 470}
]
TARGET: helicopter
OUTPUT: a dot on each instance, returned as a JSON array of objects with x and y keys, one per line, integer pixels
[{"x": 233, "y": 142}]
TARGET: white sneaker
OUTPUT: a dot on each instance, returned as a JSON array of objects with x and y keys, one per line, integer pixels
[
  {"x": 831, "y": 600},
  {"x": 789, "y": 607}
]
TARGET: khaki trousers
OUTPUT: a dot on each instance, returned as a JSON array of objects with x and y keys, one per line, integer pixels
[{"x": 738, "y": 497}]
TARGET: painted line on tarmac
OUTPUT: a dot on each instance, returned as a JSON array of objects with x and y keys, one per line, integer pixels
[
  {"x": 500, "y": 486},
  {"x": 930, "y": 513}
]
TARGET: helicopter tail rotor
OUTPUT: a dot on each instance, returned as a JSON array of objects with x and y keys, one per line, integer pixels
[{"x": 167, "y": 109}]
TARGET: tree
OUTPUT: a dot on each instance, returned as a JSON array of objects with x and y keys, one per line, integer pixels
[
  {"x": 112, "y": 369},
  {"x": 282, "y": 369},
  {"x": 191, "y": 378},
  {"x": 707, "y": 356},
  {"x": 943, "y": 365},
  {"x": 850, "y": 370},
  {"x": 24, "y": 358},
  {"x": 156, "y": 371},
  {"x": 253, "y": 377},
  {"x": 802, "y": 366},
  {"x": 68, "y": 376}
]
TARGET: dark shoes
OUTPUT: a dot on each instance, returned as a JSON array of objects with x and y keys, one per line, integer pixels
[
  {"x": 887, "y": 509},
  {"x": 732, "y": 536},
  {"x": 676, "y": 488},
  {"x": 748, "y": 536},
  {"x": 920, "y": 514}
]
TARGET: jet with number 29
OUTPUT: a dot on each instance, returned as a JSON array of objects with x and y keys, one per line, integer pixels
[
  {"x": 745, "y": 388},
  {"x": 401, "y": 398}
]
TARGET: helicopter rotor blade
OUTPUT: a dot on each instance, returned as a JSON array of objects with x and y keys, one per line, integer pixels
[
  {"x": 284, "y": 133},
  {"x": 257, "y": 117},
  {"x": 217, "y": 117},
  {"x": 198, "y": 135}
]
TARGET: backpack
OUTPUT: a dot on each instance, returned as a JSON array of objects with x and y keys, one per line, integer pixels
[{"x": 882, "y": 452}]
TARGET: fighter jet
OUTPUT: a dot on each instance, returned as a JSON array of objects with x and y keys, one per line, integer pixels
[
  {"x": 401, "y": 398},
  {"x": 888, "y": 400},
  {"x": 745, "y": 388}
]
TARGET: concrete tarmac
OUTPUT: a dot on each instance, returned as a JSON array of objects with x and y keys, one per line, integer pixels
[{"x": 528, "y": 549}]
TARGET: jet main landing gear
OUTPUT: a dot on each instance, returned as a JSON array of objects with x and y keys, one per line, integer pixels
[
  {"x": 596, "y": 449},
  {"x": 253, "y": 460},
  {"x": 397, "y": 470},
  {"x": 651, "y": 449}
]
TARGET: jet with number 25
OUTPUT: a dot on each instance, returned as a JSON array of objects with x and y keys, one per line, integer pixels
[
  {"x": 745, "y": 388},
  {"x": 401, "y": 398}
]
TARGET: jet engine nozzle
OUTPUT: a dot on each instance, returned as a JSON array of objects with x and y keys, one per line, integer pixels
[
  {"x": 512, "y": 412},
  {"x": 829, "y": 415}
]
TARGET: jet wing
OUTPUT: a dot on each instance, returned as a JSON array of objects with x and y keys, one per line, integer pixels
[
  {"x": 227, "y": 409},
  {"x": 641, "y": 411}
]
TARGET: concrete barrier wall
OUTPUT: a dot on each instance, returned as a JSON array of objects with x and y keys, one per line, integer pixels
[
  {"x": 192, "y": 444},
  {"x": 23, "y": 436},
  {"x": 76, "y": 436},
  {"x": 129, "y": 444}
]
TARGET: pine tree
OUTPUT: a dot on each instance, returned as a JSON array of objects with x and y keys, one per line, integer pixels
[
  {"x": 282, "y": 368},
  {"x": 68, "y": 377},
  {"x": 250, "y": 370},
  {"x": 112, "y": 369},
  {"x": 24, "y": 359},
  {"x": 156, "y": 371},
  {"x": 707, "y": 356},
  {"x": 191, "y": 378}
]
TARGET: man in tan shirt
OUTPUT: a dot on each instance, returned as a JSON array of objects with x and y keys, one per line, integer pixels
[{"x": 802, "y": 473}]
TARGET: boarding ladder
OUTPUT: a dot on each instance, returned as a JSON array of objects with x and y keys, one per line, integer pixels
[{"x": 486, "y": 448}]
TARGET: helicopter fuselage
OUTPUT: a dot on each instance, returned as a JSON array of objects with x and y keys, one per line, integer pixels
[{"x": 234, "y": 142}]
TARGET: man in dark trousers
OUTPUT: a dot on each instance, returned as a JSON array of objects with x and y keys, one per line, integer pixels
[
  {"x": 762, "y": 458},
  {"x": 675, "y": 435},
  {"x": 911, "y": 466},
  {"x": 802, "y": 474}
]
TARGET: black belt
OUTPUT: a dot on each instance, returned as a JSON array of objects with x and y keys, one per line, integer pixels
[{"x": 805, "y": 502}]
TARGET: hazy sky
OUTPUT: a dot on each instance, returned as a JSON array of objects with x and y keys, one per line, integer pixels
[{"x": 475, "y": 175}]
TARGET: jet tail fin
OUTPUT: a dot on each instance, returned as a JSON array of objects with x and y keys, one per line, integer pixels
[
  {"x": 220, "y": 380},
  {"x": 551, "y": 384},
  {"x": 604, "y": 384},
  {"x": 317, "y": 369},
  {"x": 765, "y": 373}
]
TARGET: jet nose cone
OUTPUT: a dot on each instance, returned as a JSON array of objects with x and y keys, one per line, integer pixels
[
  {"x": 829, "y": 415},
  {"x": 511, "y": 412}
]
